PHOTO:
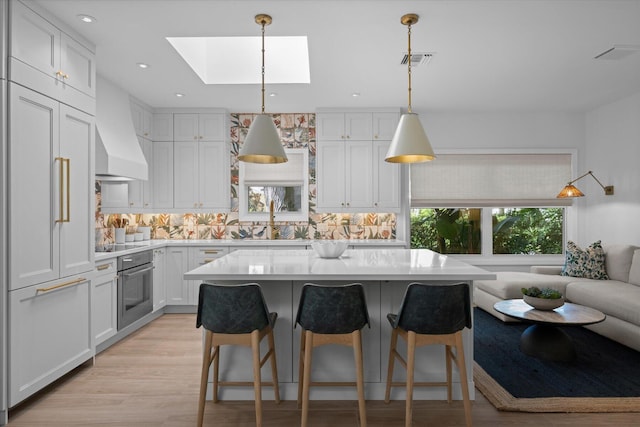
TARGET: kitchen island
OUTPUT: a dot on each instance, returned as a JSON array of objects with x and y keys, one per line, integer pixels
[{"x": 385, "y": 274}]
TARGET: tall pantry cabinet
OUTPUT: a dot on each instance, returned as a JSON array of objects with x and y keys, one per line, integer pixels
[{"x": 50, "y": 199}]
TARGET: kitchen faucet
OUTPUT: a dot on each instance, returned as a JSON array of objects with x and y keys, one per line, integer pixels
[{"x": 273, "y": 230}]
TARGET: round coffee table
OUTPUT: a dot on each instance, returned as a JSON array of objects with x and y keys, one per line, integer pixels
[{"x": 544, "y": 339}]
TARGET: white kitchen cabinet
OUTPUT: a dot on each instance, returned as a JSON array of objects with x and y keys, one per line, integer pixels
[
  {"x": 49, "y": 334},
  {"x": 355, "y": 126},
  {"x": 41, "y": 54},
  {"x": 142, "y": 120},
  {"x": 162, "y": 173},
  {"x": 159, "y": 283},
  {"x": 344, "y": 176},
  {"x": 199, "y": 256},
  {"x": 176, "y": 264},
  {"x": 386, "y": 179},
  {"x": 114, "y": 196},
  {"x": 51, "y": 197},
  {"x": 139, "y": 192},
  {"x": 351, "y": 174},
  {"x": 104, "y": 301},
  {"x": 199, "y": 127},
  {"x": 201, "y": 175},
  {"x": 162, "y": 128}
]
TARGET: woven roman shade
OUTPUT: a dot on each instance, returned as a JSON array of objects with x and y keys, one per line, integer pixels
[{"x": 477, "y": 180}]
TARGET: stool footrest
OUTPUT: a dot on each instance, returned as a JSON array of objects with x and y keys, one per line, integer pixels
[
  {"x": 332, "y": 384},
  {"x": 243, "y": 383},
  {"x": 421, "y": 384}
]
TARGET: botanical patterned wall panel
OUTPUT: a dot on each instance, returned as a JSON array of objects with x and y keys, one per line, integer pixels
[{"x": 297, "y": 130}]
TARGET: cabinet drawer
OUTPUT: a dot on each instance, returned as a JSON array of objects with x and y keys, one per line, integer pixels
[
  {"x": 49, "y": 334},
  {"x": 205, "y": 255},
  {"x": 106, "y": 266}
]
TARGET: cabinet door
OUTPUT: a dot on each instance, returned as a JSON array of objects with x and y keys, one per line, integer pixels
[
  {"x": 330, "y": 126},
  {"x": 359, "y": 173},
  {"x": 162, "y": 175},
  {"x": 114, "y": 195},
  {"x": 49, "y": 334},
  {"x": 78, "y": 65},
  {"x": 384, "y": 125},
  {"x": 185, "y": 127},
  {"x": 330, "y": 164},
  {"x": 77, "y": 245},
  {"x": 185, "y": 171},
  {"x": 136, "y": 193},
  {"x": 138, "y": 119},
  {"x": 211, "y": 127},
  {"x": 34, "y": 188},
  {"x": 34, "y": 40},
  {"x": 177, "y": 263},
  {"x": 162, "y": 128},
  {"x": 147, "y": 186},
  {"x": 357, "y": 126},
  {"x": 214, "y": 182},
  {"x": 386, "y": 184},
  {"x": 104, "y": 307},
  {"x": 159, "y": 284}
]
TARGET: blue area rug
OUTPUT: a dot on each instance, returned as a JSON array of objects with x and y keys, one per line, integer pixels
[{"x": 603, "y": 370}]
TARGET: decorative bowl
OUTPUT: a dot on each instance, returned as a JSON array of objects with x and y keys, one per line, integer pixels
[
  {"x": 329, "y": 248},
  {"x": 546, "y": 304}
]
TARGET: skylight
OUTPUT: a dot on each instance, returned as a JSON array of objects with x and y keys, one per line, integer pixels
[{"x": 238, "y": 60}]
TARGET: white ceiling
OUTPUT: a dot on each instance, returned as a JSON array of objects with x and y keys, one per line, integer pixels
[{"x": 490, "y": 55}]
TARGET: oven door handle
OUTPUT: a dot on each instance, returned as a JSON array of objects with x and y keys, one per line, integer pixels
[{"x": 135, "y": 273}]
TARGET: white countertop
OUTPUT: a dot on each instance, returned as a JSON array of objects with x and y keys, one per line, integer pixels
[
  {"x": 354, "y": 264},
  {"x": 132, "y": 247}
]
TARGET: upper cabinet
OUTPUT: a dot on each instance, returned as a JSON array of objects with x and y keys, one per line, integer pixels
[
  {"x": 351, "y": 174},
  {"x": 162, "y": 127},
  {"x": 199, "y": 127},
  {"x": 142, "y": 120},
  {"x": 340, "y": 126},
  {"x": 49, "y": 60}
]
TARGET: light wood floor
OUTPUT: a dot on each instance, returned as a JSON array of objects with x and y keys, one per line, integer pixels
[{"x": 152, "y": 378}]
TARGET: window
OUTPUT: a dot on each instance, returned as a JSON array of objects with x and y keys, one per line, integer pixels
[
  {"x": 513, "y": 231},
  {"x": 284, "y": 184}
]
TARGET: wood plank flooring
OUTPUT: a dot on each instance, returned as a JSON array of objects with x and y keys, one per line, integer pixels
[{"x": 151, "y": 379}]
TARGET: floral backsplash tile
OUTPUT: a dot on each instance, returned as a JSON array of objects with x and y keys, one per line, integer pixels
[{"x": 296, "y": 131}]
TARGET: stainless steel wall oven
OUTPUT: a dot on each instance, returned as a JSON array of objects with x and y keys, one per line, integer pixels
[{"x": 135, "y": 287}]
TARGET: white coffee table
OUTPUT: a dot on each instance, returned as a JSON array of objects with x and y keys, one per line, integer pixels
[{"x": 544, "y": 339}]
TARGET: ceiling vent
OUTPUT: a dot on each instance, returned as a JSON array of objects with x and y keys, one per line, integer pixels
[
  {"x": 618, "y": 51},
  {"x": 417, "y": 58}
]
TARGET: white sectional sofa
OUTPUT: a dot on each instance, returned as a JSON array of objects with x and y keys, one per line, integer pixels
[{"x": 618, "y": 297}]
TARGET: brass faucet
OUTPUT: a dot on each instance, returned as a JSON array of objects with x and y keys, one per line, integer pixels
[{"x": 273, "y": 230}]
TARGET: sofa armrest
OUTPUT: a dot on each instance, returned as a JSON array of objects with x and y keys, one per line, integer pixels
[{"x": 546, "y": 269}]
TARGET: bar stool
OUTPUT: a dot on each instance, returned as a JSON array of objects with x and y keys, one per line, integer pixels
[
  {"x": 235, "y": 315},
  {"x": 431, "y": 314},
  {"x": 331, "y": 315}
]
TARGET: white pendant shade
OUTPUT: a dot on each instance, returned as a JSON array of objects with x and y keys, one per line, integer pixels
[
  {"x": 262, "y": 144},
  {"x": 410, "y": 143}
]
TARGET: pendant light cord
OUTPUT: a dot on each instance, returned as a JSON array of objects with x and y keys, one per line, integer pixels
[
  {"x": 263, "y": 24},
  {"x": 409, "y": 63}
]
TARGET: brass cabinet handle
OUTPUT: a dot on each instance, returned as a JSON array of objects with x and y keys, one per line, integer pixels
[
  {"x": 211, "y": 251},
  {"x": 64, "y": 162},
  {"x": 103, "y": 267},
  {"x": 62, "y": 285}
]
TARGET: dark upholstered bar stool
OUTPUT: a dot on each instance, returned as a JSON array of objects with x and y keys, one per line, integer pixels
[
  {"x": 331, "y": 315},
  {"x": 235, "y": 315},
  {"x": 431, "y": 314}
]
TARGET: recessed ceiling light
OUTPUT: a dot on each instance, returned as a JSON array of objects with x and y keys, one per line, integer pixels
[
  {"x": 179, "y": 95},
  {"x": 87, "y": 18},
  {"x": 143, "y": 65},
  {"x": 272, "y": 94},
  {"x": 355, "y": 94}
]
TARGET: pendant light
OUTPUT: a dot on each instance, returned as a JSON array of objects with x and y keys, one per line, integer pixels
[
  {"x": 410, "y": 143},
  {"x": 262, "y": 144}
]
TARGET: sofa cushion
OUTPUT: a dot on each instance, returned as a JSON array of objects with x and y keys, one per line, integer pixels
[
  {"x": 613, "y": 298},
  {"x": 618, "y": 261},
  {"x": 634, "y": 271},
  {"x": 509, "y": 284},
  {"x": 588, "y": 263}
]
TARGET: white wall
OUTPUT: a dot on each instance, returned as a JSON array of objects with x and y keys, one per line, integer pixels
[{"x": 613, "y": 154}]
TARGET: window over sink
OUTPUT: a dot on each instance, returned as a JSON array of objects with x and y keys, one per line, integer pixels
[{"x": 284, "y": 184}]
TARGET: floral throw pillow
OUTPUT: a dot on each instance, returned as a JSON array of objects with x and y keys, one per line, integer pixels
[{"x": 587, "y": 263}]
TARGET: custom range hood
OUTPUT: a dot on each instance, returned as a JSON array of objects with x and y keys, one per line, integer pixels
[{"x": 118, "y": 153}]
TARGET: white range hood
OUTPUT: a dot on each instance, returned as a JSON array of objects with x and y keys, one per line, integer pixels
[{"x": 118, "y": 153}]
